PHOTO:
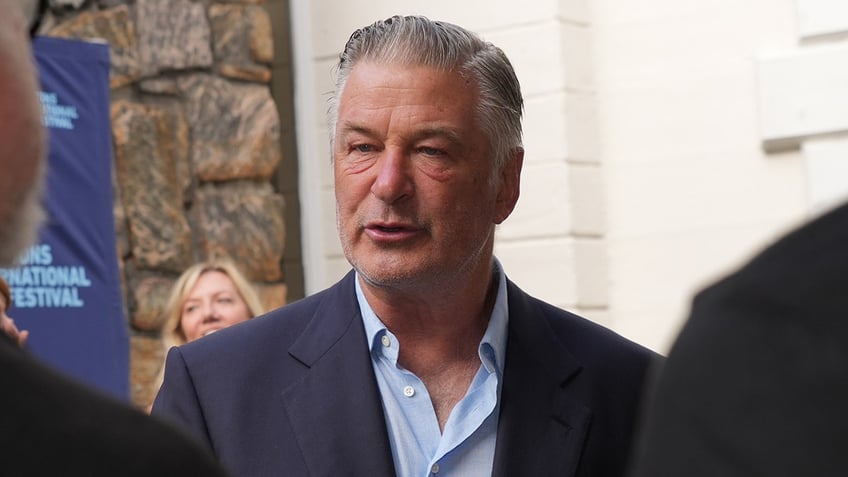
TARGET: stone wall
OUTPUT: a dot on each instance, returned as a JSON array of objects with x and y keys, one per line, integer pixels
[{"x": 196, "y": 139}]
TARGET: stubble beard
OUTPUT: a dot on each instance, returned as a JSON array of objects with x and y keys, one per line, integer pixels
[
  {"x": 394, "y": 273},
  {"x": 389, "y": 275}
]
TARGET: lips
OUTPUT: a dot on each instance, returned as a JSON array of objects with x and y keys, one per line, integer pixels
[
  {"x": 388, "y": 229},
  {"x": 389, "y": 226},
  {"x": 389, "y": 232}
]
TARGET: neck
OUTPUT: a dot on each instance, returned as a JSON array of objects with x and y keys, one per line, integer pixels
[
  {"x": 439, "y": 332},
  {"x": 443, "y": 309},
  {"x": 436, "y": 326}
]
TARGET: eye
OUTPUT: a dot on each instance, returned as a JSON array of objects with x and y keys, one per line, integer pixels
[
  {"x": 431, "y": 151},
  {"x": 225, "y": 300},
  {"x": 363, "y": 148}
]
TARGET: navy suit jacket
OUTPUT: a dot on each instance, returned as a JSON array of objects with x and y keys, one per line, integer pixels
[{"x": 294, "y": 393}]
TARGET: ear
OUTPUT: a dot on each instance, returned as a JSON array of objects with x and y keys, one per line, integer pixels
[{"x": 510, "y": 185}]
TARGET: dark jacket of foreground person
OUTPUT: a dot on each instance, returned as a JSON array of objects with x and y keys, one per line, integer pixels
[
  {"x": 54, "y": 426},
  {"x": 757, "y": 382}
]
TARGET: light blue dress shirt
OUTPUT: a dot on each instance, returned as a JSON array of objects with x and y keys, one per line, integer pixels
[{"x": 467, "y": 447}]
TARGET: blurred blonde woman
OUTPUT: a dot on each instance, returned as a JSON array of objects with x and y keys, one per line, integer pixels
[{"x": 207, "y": 297}]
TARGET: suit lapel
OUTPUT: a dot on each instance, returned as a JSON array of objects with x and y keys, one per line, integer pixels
[
  {"x": 541, "y": 431},
  {"x": 335, "y": 410}
]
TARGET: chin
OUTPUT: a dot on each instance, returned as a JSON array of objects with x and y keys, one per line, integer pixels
[{"x": 398, "y": 276}]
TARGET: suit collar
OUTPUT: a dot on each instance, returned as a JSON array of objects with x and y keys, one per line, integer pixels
[
  {"x": 335, "y": 410},
  {"x": 336, "y": 316},
  {"x": 537, "y": 418},
  {"x": 529, "y": 325}
]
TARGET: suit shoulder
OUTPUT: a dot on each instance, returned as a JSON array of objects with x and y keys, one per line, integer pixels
[
  {"x": 289, "y": 319},
  {"x": 577, "y": 329},
  {"x": 267, "y": 337},
  {"x": 602, "y": 353},
  {"x": 801, "y": 273}
]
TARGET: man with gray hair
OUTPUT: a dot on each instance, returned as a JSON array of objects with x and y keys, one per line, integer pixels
[
  {"x": 50, "y": 424},
  {"x": 425, "y": 359}
]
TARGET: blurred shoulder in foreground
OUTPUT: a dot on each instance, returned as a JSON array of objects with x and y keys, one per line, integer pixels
[{"x": 757, "y": 381}]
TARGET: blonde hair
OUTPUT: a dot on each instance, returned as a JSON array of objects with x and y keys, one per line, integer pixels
[{"x": 172, "y": 332}]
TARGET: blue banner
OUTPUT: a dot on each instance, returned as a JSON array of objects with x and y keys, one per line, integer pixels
[{"x": 67, "y": 290}]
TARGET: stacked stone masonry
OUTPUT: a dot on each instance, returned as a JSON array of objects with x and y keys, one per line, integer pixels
[{"x": 196, "y": 139}]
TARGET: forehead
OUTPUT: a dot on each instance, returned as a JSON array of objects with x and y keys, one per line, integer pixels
[
  {"x": 422, "y": 91},
  {"x": 212, "y": 281}
]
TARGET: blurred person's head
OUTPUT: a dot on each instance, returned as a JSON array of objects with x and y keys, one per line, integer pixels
[
  {"x": 22, "y": 136},
  {"x": 207, "y": 297}
]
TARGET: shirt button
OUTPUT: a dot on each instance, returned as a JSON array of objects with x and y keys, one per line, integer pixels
[
  {"x": 434, "y": 469},
  {"x": 409, "y": 391},
  {"x": 386, "y": 341}
]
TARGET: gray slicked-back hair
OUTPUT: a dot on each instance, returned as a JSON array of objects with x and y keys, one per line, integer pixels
[{"x": 417, "y": 40}]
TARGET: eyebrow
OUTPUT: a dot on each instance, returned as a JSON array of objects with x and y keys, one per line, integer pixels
[
  {"x": 450, "y": 134},
  {"x": 351, "y": 127},
  {"x": 214, "y": 293},
  {"x": 447, "y": 133}
]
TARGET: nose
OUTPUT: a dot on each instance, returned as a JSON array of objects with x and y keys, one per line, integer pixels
[
  {"x": 210, "y": 312},
  {"x": 393, "y": 182}
]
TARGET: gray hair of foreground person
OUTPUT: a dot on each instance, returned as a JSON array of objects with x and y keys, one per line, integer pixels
[
  {"x": 418, "y": 41},
  {"x": 22, "y": 136}
]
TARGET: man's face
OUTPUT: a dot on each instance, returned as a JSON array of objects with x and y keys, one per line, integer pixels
[
  {"x": 21, "y": 136},
  {"x": 416, "y": 194}
]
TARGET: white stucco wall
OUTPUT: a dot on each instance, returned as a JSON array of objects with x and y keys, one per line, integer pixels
[
  {"x": 690, "y": 190},
  {"x": 651, "y": 169}
]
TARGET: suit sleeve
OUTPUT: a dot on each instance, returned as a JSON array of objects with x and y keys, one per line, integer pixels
[{"x": 177, "y": 401}]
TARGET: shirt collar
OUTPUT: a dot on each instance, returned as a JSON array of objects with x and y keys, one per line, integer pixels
[{"x": 492, "y": 349}]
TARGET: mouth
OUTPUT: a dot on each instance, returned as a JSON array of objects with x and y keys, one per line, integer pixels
[{"x": 391, "y": 231}]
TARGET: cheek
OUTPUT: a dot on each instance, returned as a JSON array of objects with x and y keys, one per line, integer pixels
[
  {"x": 472, "y": 209},
  {"x": 347, "y": 205},
  {"x": 350, "y": 191},
  {"x": 188, "y": 324},
  {"x": 239, "y": 313}
]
